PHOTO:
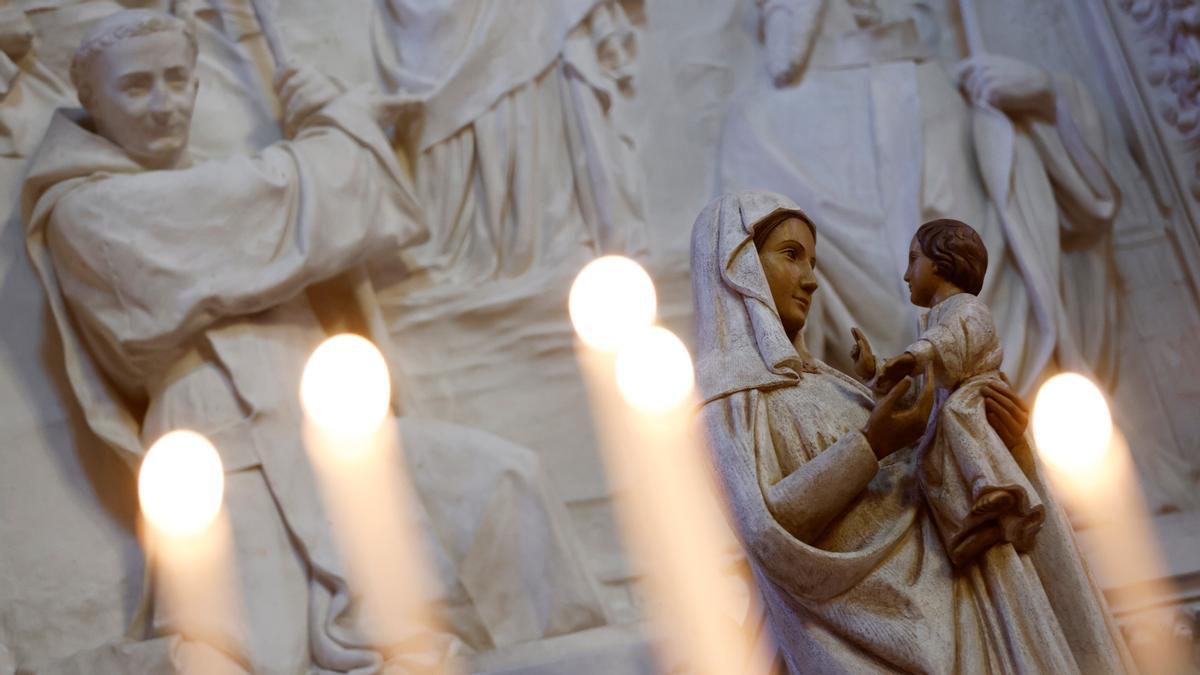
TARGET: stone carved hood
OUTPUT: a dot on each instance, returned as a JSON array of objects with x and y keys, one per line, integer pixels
[
  {"x": 58, "y": 166},
  {"x": 740, "y": 342}
]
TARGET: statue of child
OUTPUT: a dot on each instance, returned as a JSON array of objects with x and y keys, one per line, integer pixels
[{"x": 977, "y": 493}]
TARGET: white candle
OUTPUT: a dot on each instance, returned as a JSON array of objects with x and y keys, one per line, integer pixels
[
  {"x": 351, "y": 438},
  {"x": 640, "y": 382},
  {"x": 188, "y": 539},
  {"x": 1089, "y": 464}
]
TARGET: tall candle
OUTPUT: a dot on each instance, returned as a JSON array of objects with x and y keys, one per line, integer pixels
[
  {"x": 1088, "y": 463},
  {"x": 640, "y": 382},
  {"x": 188, "y": 540},
  {"x": 358, "y": 461}
]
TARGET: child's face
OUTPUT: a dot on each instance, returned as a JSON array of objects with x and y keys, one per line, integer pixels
[{"x": 921, "y": 276}]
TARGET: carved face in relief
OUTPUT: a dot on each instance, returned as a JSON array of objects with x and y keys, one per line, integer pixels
[
  {"x": 140, "y": 92},
  {"x": 788, "y": 257}
]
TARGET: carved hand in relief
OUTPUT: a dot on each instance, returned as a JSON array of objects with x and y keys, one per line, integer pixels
[
  {"x": 302, "y": 91},
  {"x": 1012, "y": 86},
  {"x": 789, "y": 27},
  {"x": 16, "y": 33},
  {"x": 896, "y": 369}
]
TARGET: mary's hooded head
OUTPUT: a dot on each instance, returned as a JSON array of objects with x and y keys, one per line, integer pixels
[{"x": 741, "y": 343}]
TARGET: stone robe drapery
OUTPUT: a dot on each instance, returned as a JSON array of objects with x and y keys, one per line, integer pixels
[
  {"x": 961, "y": 457},
  {"x": 853, "y": 576},
  {"x": 187, "y": 288},
  {"x": 875, "y": 138},
  {"x": 517, "y": 161}
]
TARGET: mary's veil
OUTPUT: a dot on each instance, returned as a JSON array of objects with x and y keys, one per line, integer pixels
[{"x": 740, "y": 342}]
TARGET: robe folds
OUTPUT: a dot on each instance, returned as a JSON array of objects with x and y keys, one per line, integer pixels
[
  {"x": 961, "y": 457},
  {"x": 519, "y": 163},
  {"x": 842, "y": 547},
  {"x": 180, "y": 298},
  {"x": 875, "y": 138}
]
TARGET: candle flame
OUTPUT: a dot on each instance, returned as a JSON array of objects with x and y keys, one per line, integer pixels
[
  {"x": 345, "y": 388},
  {"x": 611, "y": 300},
  {"x": 181, "y": 483}
]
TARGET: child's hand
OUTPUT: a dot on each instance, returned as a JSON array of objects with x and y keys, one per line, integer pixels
[
  {"x": 862, "y": 356},
  {"x": 896, "y": 369}
]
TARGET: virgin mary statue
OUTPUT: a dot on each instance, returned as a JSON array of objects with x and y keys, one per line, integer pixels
[{"x": 820, "y": 484}]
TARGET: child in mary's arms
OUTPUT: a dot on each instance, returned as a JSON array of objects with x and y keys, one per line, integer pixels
[{"x": 976, "y": 491}]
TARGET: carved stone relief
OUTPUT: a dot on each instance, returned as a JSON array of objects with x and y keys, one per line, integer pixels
[{"x": 1170, "y": 32}]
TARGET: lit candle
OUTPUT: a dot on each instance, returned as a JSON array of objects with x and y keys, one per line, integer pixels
[
  {"x": 345, "y": 392},
  {"x": 181, "y": 483},
  {"x": 640, "y": 380},
  {"x": 1089, "y": 464},
  {"x": 188, "y": 540}
]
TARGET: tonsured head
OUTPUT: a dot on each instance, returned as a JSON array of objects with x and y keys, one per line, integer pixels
[{"x": 135, "y": 73}]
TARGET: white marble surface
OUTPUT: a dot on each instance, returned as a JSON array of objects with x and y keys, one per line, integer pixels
[{"x": 70, "y": 567}]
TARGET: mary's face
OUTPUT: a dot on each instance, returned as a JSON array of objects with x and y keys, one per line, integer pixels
[{"x": 789, "y": 260}]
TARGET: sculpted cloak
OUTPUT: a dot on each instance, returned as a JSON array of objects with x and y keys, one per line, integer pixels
[{"x": 180, "y": 300}]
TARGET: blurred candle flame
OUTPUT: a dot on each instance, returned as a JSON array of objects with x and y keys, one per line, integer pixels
[
  {"x": 189, "y": 541},
  {"x": 359, "y": 465},
  {"x": 611, "y": 299},
  {"x": 181, "y": 483},
  {"x": 1072, "y": 424},
  {"x": 1091, "y": 468},
  {"x": 345, "y": 388},
  {"x": 654, "y": 370},
  {"x": 640, "y": 381}
]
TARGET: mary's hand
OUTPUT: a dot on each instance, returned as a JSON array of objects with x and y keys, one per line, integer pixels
[
  {"x": 1006, "y": 412},
  {"x": 889, "y": 429}
]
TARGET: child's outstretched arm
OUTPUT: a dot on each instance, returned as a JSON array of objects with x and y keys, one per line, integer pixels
[{"x": 896, "y": 369}]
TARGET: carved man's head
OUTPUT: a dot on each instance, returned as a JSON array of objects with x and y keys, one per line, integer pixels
[{"x": 136, "y": 76}]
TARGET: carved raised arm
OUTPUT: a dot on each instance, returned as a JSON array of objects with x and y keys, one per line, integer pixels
[{"x": 789, "y": 28}]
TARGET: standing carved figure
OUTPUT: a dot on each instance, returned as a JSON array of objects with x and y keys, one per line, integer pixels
[
  {"x": 865, "y": 115},
  {"x": 518, "y": 161},
  {"x": 819, "y": 477},
  {"x": 179, "y": 293}
]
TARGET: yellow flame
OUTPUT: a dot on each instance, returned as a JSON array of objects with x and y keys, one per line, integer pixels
[
  {"x": 612, "y": 299},
  {"x": 654, "y": 370},
  {"x": 181, "y": 483},
  {"x": 345, "y": 388},
  {"x": 1071, "y": 424}
]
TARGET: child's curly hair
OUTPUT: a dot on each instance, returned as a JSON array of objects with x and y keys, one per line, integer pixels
[{"x": 957, "y": 252}]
